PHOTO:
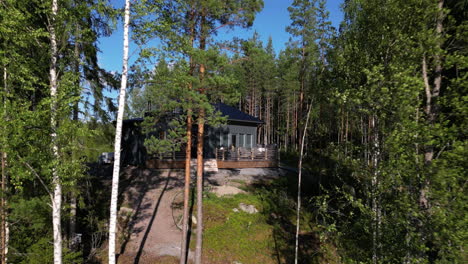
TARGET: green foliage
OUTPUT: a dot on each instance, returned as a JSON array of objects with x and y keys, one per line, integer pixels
[
  {"x": 99, "y": 139},
  {"x": 374, "y": 174},
  {"x": 25, "y": 136},
  {"x": 42, "y": 252}
]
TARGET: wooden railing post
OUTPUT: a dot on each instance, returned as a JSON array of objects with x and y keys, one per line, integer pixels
[
  {"x": 266, "y": 153},
  {"x": 252, "y": 153},
  {"x": 224, "y": 154},
  {"x": 238, "y": 154},
  {"x": 216, "y": 153}
]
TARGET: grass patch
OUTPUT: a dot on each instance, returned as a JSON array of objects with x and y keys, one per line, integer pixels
[
  {"x": 265, "y": 237},
  {"x": 236, "y": 236}
]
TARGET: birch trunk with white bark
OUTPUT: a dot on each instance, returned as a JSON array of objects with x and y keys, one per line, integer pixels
[
  {"x": 57, "y": 195},
  {"x": 118, "y": 136},
  {"x": 299, "y": 183},
  {"x": 375, "y": 192},
  {"x": 4, "y": 228},
  {"x": 4, "y": 234},
  {"x": 432, "y": 94}
]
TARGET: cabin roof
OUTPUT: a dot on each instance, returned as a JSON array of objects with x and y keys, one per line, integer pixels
[{"x": 234, "y": 114}]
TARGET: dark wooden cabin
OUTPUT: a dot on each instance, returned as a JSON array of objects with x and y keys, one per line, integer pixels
[{"x": 233, "y": 145}]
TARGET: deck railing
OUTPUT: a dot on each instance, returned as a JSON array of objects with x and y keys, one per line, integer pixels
[
  {"x": 173, "y": 155},
  {"x": 268, "y": 152},
  {"x": 259, "y": 153}
]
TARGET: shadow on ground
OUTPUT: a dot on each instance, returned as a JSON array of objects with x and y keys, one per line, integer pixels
[{"x": 134, "y": 189}]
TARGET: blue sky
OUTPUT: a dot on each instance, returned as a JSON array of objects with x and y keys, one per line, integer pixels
[{"x": 271, "y": 21}]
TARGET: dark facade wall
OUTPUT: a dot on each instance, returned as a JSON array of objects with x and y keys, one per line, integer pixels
[
  {"x": 133, "y": 149},
  {"x": 232, "y": 134}
]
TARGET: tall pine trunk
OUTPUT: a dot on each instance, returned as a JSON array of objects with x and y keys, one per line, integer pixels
[
  {"x": 185, "y": 221},
  {"x": 118, "y": 135},
  {"x": 57, "y": 195},
  {"x": 200, "y": 141},
  {"x": 299, "y": 182},
  {"x": 188, "y": 156},
  {"x": 199, "y": 242}
]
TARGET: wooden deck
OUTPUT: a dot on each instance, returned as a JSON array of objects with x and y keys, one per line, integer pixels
[{"x": 234, "y": 158}]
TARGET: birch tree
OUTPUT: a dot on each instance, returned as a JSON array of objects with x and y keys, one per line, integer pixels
[
  {"x": 4, "y": 229},
  {"x": 118, "y": 140},
  {"x": 299, "y": 186},
  {"x": 57, "y": 199}
]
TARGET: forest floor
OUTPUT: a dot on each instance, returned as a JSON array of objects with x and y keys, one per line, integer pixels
[{"x": 149, "y": 233}]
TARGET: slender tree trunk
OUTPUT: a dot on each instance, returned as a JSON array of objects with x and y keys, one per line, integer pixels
[
  {"x": 346, "y": 135},
  {"x": 267, "y": 121},
  {"x": 299, "y": 182},
  {"x": 278, "y": 138},
  {"x": 288, "y": 121},
  {"x": 72, "y": 224},
  {"x": 300, "y": 106},
  {"x": 4, "y": 233},
  {"x": 57, "y": 196},
  {"x": 199, "y": 242},
  {"x": 431, "y": 109},
  {"x": 200, "y": 139},
  {"x": 118, "y": 140},
  {"x": 73, "y": 199},
  {"x": 77, "y": 71},
  {"x": 295, "y": 126},
  {"x": 188, "y": 157},
  {"x": 188, "y": 153},
  {"x": 375, "y": 192}
]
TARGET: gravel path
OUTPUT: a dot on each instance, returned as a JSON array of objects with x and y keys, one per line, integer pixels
[{"x": 153, "y": 233}]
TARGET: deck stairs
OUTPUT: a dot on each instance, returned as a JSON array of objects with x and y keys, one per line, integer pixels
[{"x": 210, "y": 165}]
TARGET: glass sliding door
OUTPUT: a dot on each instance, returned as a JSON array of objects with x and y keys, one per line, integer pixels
[
  {"x": 248, "y": 141},
  {"x": 234, "y": 140},
  {"x": 241, "y": 140}
]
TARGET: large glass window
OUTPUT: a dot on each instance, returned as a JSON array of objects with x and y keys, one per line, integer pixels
[
  {"x": 248, "y": 141},
  {"x": 241, "y": 140}
]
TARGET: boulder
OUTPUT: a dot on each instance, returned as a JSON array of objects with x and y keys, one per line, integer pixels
[{"x": 248, "y": 208}]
